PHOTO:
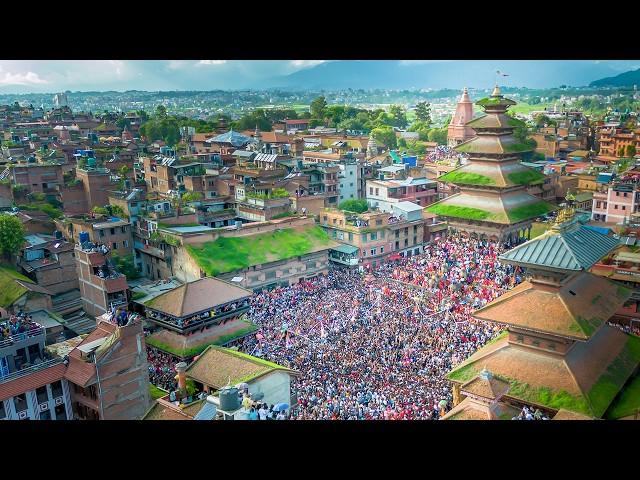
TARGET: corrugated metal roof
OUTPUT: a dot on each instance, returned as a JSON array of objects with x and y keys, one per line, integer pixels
[
  {"x": 207, "y": 412},
  {"x": 265, "y": 157},
  {"x": 572, "y": 247},
  {"x": 343, "y": 248}
]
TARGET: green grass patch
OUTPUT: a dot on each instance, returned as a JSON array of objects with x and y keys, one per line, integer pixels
[
  {"x": 459, "y": 212},
  {"x": 547, "y": 397},
  {"x": 501, "y": 335},
  {"x": 526, "y": 177},
  {"x": 529, "y": 211},
  {"x": 586, "y": 325},
  {"x": 227, "y": 254},
  {"x": 627, "y": 403},
  {"x": 138, "y": 295},
  {"x": 10, "y": 291},
  {"x": 156, "y": 392},
  {"x": 466, "y": 178},
  {"x": 45, "y": 207}
]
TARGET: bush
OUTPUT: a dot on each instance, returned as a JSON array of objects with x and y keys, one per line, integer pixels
[{"x": 353, "y": 205}]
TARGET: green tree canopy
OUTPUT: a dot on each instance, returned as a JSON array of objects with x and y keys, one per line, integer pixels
[
  {"x": 398, "y": 115},
  {"x": 354, "y": 205},
  {"x": 631, "y": 150},
  {"x": 423, "y": 113},
  {"x": 125, "y": 265},
  {"x": 317, "y": 107},
  {"x": 386, "y": 136},
  {"x": 11, "y": 235}
]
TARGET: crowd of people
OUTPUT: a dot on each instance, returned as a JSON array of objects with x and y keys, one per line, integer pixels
[
  {"x": 20, "y": 323},
  {"x": 162, "y": 369},
  {"x": 529, "y": 414},
  {"x": 442, "y": 152},
  {"x": 630, "y": 329},
  {"x": 378, "y": 346}
]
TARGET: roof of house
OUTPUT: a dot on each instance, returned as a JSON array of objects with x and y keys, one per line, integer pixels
[
  {"x": 217, "y": 367},
  {"x": 469, "y": 409},
  {"x": 234, "y": 138},
  {"x": 575, "y": 310},
  {"x": 79, "y": 371},
  {"x": 198, "y": 296},
  {"x": 31, "y": 381},
  {"x": 485, "y": 385},
  {"x": 569, "y": 246}
]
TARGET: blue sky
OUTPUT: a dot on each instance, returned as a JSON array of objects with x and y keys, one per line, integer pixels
[{"x": 23, "y": 76}]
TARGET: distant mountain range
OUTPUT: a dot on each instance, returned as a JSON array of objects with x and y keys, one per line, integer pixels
[
  {"x": 437, "y": 74},
  {"x": 626, "y": 79}
]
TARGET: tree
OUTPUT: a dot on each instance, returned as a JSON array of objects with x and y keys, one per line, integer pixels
[
  {"x": 621, "y": 151},
  {"x": 161, "y": 111},
  {"x": 318, "y": 107},
  {"x": 386, "y": 136},
  {"x": 398, "y": 115},
  {"x": 188, "y": 197},
  {"x": 423, "y": 113},
  {"x": 438, "y": 135},
  {"x": 631, "y": 150},
  {"x": 354, "y": 205},
  {"x": 11, "y": 235},
  {"x": 124, "y": 264}
]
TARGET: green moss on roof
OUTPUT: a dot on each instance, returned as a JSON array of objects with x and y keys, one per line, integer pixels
[
  {"x": 227, "y": 254},
  {"x": 493, "y": 101},
  {"x": 628, "y": 401},
  {"x": 259, "y": 361},
  {"x": 526, "y": 177},
  {"x": 465, "y": 178},
  {"x": 529, "y": 211},
  {"x": 464, "y": 373},
  {"x": 10, "y": 290},
  {"x": 555, "y": 399},
  {"x": 586, "y": 325},
  {"x": 459, "y": 212},
  {"x": 525, "y": 146},
  {"x": 622, "y": 292},
  {"x": 610, "y": 382}
]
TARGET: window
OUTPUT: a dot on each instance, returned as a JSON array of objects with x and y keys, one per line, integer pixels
[
  {"x": 377, "y": 192},
  {"x": 125, "y": 243},
  {"x": 623, "y": 207},
  {"x": 406, "y": 242},
  {"x": 350, "y": 236},
  {"x": 374, "y": 236},
  {"x": 370, "y": 190},
  {"x": 351, "y": 184},
  {"x": 113, "y": 231},
  {"x": 101, "y": 233},
  {"x": 42, "y": 394},
  {"x": 378, "y": 222},
  {"x": 397, "y": 245},
  {"x": 373, "y": 251},
  {"x": 115, "y": 245},
  {"x": 415, "y": 240},
  {"x": 46, "y": 415},
  {"x": 381, "y": 249},
  {"x": 363, "y": 237},
  {"x": 415, "y": 229},
  {"x": 61, "y": 413},
  {"x": 3, "y": 412},
  {"x": 617, "y": 194},
  {"x": 56, "y": 389},
  {"x": 615, "y": 207},
  {"x": 20, "y": 402}
]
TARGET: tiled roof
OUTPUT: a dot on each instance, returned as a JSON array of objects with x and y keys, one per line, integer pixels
[
  {"x": 218, "y": 367},
  {"x": 31, "y": 381},
  {"x": 81, "y": 372},
  {"x": 568, "y": 247},
  {"x": 576, "y": 310},
  {"x": 198, "y": 296}
]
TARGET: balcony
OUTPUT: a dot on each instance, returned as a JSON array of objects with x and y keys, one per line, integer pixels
[
  {"x": 30, "y": 370},
  {"x": 37, "y": 332},
  {"x": 186, "y": 325}
]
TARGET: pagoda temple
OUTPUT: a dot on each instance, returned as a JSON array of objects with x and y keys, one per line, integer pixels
[
  {"x": 493, "y": 202},
  {"x": 458, "y": 131},
  {"x": 558, "y": 353}
]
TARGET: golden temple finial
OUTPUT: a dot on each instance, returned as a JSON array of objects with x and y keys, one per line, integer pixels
[
  {"x": 569, "y": 210},
  {"x": 496, "y": 91}
]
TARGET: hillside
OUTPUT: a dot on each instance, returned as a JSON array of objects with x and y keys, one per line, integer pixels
[{"x": 626, "y": 79}]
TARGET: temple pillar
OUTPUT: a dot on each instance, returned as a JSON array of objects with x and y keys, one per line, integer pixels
[
  {"x": 529, "y": 233},
  {"x": 456, "y": 394}
]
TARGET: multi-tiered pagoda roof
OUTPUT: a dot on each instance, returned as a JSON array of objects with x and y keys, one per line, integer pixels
[
  {"x": 559, "y": 353},
  {"x": 493, "y": 184}
]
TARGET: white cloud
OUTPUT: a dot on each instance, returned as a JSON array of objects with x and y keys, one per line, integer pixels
[
  {"x": 212, "y": 62},
  {"x": 306, "y": 63},
  {"x": 28, "y": 78}
]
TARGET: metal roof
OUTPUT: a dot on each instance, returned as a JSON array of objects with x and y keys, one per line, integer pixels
[
  {"x": 349, "y": 249},
  {"x": 265, "y": 157},
  {"x": 570, "y": 247},
  {"x": 234, "y": 138},
  {"x": 207, "y": 412}
]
